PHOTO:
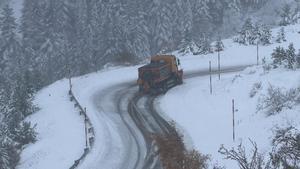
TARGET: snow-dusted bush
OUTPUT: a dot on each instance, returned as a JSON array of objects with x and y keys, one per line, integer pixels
[
  {"x": 256, "y": 87},
  {"x": 287, "y": 57},
  {"x": 276, "y": 100},
  {"x": 266, "y": 66},
  {"x": 255, "y": 160},
  {"x": 286, "y": 148},
  {"x": 25, "y": 134}
]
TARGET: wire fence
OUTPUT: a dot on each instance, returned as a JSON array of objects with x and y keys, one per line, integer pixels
[{"x": 88, "y": 127}]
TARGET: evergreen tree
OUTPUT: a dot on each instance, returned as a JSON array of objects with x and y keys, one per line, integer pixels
[
  {"x": 204, "y": 45},
  {"x": 278, "y": 56},
  {"x": 298, "y": 59},
  {"x": 25, "y": 134},
  {"x": 285, "y": 15},
  {"x": 10, "y": 48},
  {"x": 281, "y": 35},
  {"x": 201, "y": 20},
  {"x": 4, "y": 157},
  {"x": 291, "y": 56},
  {"x": 247, "y": 33},
  {"x": 160, "y": 17},
  {"x": 265, "y": 35},
  {"x": 138, "y": 41},
  {"x": 219, "y": 46}
]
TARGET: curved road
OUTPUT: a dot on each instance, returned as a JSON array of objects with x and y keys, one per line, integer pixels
[{"x": 136, "y": 119}]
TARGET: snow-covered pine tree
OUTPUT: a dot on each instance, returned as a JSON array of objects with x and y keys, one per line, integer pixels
[
  {"x": 12, "y": 153},
  {"x": 296, "y": 12},
  {"x": 32, "y": 38},
  {"x": 201, "y": 20},
  {"x": 298, "y": 59},
  {"x": 204, "y": 45},
  {"x": 10, "y": 47},
  {"x": 31, "y": 25},
  {"x": 161, "y": 27},
  {"x": 291, "y": 56},
  {"x": 51, "y": 54},
  {"x": 265, "y": 35},
  {"x": 182, "y": 12},
  {"x": 219, "y": 46},
  {"x": 257, "y": 32},
  {"x": 25, "y": 134},
  {"x": 286, "y": 15},
  {"x": 4, "y": 156},
  {"x": 278, "y": 56},
  {"x": 138, "y": 45},
  {"x": 281, "y": 35},
  {"x": 246, "y": 35},
  {"x": 234, "y": 4}
]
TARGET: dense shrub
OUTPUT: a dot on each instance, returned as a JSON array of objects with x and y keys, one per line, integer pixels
[
  {"x": 276, "y": 100},
  {"x": 286, "y": 58},
  {"x": 174, "y": 155},
  {"x": 256, "y": 87}
]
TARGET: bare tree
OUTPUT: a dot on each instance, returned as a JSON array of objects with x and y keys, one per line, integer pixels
[{"x": 255, "y": 161}]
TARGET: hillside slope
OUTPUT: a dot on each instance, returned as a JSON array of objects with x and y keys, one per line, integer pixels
[{"x": 206, "y": 119}]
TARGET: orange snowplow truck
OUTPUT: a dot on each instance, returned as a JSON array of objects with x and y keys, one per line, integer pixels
[{"x": 162, "y": 73}]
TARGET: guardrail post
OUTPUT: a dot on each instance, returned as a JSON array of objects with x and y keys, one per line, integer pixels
[
  {"x": 88, "y": 141},
  {"x": 85, "y": 129}
]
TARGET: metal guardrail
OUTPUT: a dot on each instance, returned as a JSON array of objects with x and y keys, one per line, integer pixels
[{"x": 89, "y": 130}]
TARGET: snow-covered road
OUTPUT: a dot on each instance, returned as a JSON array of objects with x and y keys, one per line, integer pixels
[{"x": 124, "y": 145}]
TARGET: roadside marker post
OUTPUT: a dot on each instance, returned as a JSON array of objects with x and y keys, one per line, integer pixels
[
  {"x": 233, "y": 121},
  {"x": 210, "y": 78},
  {"x": 257, "y": 53},
  {"x": 219, "y": 65}
]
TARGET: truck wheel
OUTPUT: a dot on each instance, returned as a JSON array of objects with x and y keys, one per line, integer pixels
[
  {"x": 164, "y": 88},
  {"x": 179, "y": 80}
]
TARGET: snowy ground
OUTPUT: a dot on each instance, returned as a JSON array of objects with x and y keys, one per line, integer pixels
[
  {"x": 60, "y": 131},
  {"x": 205, "y": 118}
]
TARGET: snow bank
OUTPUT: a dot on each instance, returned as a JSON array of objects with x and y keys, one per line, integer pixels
[{"x": 60, "y": 131}]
